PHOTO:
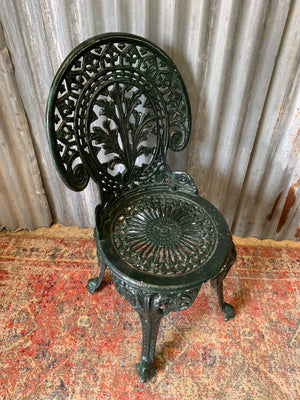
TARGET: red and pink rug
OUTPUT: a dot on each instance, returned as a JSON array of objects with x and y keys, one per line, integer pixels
[{"x": 59, "y": 342}]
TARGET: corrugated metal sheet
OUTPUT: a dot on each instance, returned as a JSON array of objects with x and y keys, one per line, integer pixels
[
  {"x": 22, "y": 197},
  {"x": 271, "y": 187},
  {"x": 240, "y": 62}
]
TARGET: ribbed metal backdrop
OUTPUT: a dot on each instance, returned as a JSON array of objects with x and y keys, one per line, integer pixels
[{"x": 240, "y": 62}]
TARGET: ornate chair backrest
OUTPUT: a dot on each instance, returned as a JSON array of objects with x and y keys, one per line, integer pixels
[{"x": 116, "y": 105}]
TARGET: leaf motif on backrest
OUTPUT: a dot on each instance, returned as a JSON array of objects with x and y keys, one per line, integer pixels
[
  {"x": 115, "y": 106},
  {"x": 121, "y": 132}
]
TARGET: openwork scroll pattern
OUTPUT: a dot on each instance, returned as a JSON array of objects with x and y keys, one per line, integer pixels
[{"x": 118, "y": 106}]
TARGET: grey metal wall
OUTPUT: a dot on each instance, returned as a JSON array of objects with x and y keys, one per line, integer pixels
[{"x": 240, "y": 62}]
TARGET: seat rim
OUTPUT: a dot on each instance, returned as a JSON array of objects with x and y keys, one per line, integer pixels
[{"x": 136, "y": 277}]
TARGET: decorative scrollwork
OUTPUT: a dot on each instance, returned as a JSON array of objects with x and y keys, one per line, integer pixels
[
  {"x": 177, "y": 140},
  {"x": 115, "y": 105},
  {"x": 181, "y": 180},
  {"x": 156, "y": 303},
  {"x": 127, "y": 137},
  {"x": 164, "y": 235}
]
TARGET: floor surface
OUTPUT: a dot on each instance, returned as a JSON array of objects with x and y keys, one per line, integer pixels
[{"x": 59, "y": 342}]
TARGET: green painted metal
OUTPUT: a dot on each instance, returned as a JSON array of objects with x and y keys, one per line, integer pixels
[{"x": 116, "y": 105}]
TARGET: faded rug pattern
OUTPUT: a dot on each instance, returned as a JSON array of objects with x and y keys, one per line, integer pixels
[{"x": 59, "y": 342}]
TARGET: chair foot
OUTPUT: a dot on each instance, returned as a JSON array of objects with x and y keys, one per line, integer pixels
[
  {"x": 94, "y": 283},
  {"x": 228, "y": 311},
  {"x": 226, "y": 308},
  {"x": 145, "y": 370}
]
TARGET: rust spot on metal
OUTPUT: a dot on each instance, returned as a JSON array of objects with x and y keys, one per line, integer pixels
[
  {"x": 281, "y": 111},
  {"x": 288, "y": 205},
  {"x": 297, "y": 234},
  {"x": 270, "y": 216},
  {"x": 295, "y": 137},
  {"x": 297, "y": 184}
]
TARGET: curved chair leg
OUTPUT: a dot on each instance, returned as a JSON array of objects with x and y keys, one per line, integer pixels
[
  {"x": 150, "y": 324},
  {"x": 151, "y": 307},
  {"x": 217, "y": 283},
  {"x": 94, "y": 283},
  {"x": 226, "y": 308}
]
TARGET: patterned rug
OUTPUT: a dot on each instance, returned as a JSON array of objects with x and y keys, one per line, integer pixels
[{"x": 59, "y": 342}]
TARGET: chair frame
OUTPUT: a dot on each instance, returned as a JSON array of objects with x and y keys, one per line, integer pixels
[{"x": 116, "y": 105}]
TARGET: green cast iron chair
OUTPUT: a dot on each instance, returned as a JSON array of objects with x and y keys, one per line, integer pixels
[{"x": 116, "y": 105}]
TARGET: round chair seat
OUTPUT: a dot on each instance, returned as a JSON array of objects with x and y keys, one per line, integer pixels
[{"x": 165, "y": 238}]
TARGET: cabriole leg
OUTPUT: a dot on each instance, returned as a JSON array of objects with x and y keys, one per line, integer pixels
[
  {"x": 150, "y": 324},
  {"x": 226, "y": 308},
  {"x": 151, "y": 307},
  {"x": 217, "y": 283},
  {"x": 94, "y": 283}
]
